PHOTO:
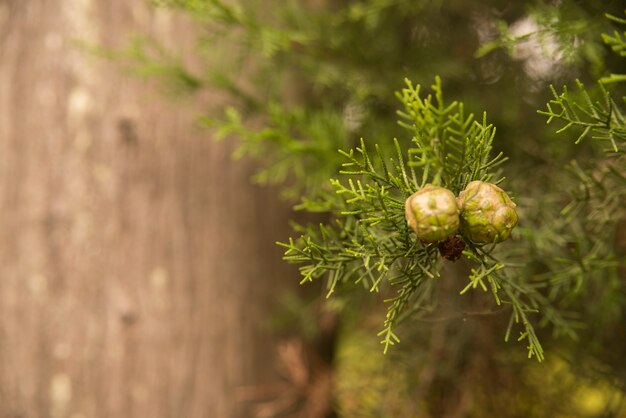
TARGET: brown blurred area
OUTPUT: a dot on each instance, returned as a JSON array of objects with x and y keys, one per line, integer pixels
[{"x": 136, "y": 261}]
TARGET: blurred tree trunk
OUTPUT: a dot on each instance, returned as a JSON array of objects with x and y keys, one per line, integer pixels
[{"x": 136, "y": 262}]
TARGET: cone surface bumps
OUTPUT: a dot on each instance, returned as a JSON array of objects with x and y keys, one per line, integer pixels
[
  {"x": 487, "y": 213},
  {"x": 432, "y": 212}
]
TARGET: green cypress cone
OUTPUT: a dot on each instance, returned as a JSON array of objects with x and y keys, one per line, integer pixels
[
  {"x": 487, "y": 213},
  {"x": 433, "y": 214}
]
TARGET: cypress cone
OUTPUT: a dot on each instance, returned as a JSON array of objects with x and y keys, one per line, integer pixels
[
  {"x": 433, "y": 214},
  {"x": 487, "y": 213}
]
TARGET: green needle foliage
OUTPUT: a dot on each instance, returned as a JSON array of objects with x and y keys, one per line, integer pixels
[
  {"x": 617, "y": 42},
  {"x": 300, "y": 144},
  {"x": 369, "y": 243},
  {"x": 568, "y": 26},
  {"x": 601, "y": 120},
  {"x": 588, "y": 264},
  {"x": 450, "y": 145},
  {"x": 304, "y": 79}
]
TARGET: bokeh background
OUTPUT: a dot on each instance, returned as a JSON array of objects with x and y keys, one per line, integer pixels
[
  {"x": 137, "y": 260},
  {"x": 139, "y": 275}
]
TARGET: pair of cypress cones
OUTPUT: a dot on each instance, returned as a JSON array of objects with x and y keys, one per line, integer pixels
[{"x": 483, "y": 213}]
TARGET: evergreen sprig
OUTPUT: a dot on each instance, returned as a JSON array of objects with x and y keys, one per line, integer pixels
[
  {"x": 597, "y": 201},
  {"x": 297, "y": 147},
  {"x": 587, "y": 264},
  {"x": 599, "y": 119},
  {"x": 617, "y": 42},
  {"x": 369, "y": 243},
  {"x": 453, "y": 146},
  {"x": 563, "y": 32}
]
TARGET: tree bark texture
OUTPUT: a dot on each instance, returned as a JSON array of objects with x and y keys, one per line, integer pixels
[{"x": 137, "y": 265}]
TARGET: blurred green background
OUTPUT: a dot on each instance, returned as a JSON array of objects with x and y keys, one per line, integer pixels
[{"x": 140, "y": 272}]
